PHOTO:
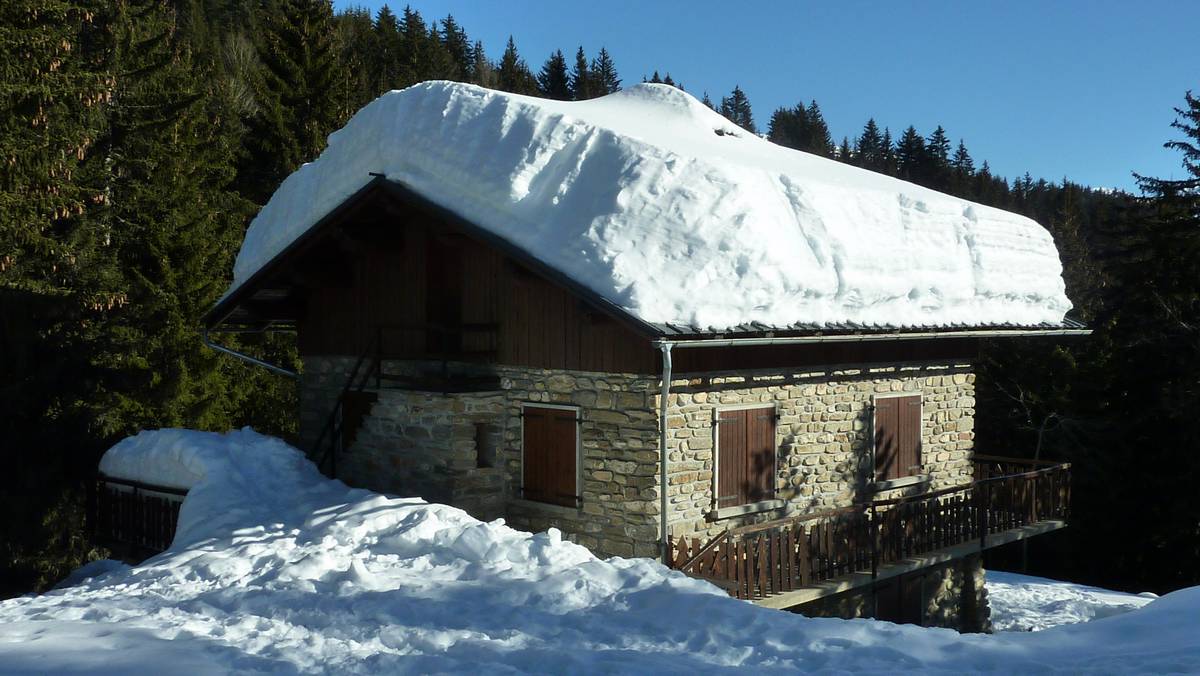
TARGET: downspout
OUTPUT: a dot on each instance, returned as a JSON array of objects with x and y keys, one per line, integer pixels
[
  {"x": 247, "y": 358},
  {"x": 665, "y": 347}
]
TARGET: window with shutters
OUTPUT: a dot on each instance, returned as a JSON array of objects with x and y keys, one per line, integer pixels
[
  {"x": 897, "y": 437},
  {"x": 745, "y": 456},
  {"x": 550, "y": 454}
]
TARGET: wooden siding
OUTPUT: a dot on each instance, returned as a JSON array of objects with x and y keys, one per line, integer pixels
[
  {"x": 424, "y": 275},
  {"x": 390, "y": 265}
]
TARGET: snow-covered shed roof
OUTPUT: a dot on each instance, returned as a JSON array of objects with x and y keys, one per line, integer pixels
[{"x": 657, "y": 204}]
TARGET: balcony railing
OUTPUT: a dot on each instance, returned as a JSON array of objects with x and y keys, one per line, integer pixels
[
  {"x": 754, "y": 562},
  {"x": 135, "y": 519}
]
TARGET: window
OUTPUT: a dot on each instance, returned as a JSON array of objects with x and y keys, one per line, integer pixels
[
  {"x": 550, "y": 454},
  {"x": 897, "y": 437},
  {"x": 745, "y": 456}
]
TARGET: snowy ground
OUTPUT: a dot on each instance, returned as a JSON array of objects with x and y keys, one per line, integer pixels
[
  {"x": 277, "y": 570},
  {"x": 1027, "y": 603}
]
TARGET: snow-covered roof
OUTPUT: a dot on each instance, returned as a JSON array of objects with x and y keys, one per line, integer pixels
[{"x": 658, "y": 204}]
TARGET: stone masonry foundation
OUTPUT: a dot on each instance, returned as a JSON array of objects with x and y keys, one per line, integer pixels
[{"x": 465, "y": 449}]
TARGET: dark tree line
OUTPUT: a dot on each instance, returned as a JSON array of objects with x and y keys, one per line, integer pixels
[{"x": 138, "y": 137}]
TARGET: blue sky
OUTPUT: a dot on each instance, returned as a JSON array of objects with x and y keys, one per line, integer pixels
[{"x": 1077, "y": 89}]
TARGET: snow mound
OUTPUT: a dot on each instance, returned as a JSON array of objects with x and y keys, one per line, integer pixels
[
  {"x": 662, "y": 206},
  {"x": 283, "y": 571},
  {"x": 1028, "y": 603}
]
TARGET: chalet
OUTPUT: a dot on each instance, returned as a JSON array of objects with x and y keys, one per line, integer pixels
[{"x": 631, "y": 321}]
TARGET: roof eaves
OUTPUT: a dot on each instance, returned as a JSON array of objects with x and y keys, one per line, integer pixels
[{"x": 226, "y": 306}]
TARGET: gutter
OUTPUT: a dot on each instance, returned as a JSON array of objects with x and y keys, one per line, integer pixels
[
  {"x": 665, "y": 347},
  {"x": 873, "y": 337},
  {"x": 247, "y": 358}
]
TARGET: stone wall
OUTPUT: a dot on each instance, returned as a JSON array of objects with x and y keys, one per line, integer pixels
[
  {"x": 427, "y": 444},
  {"x": 823, "y": 436},
  {"x": 413, "y": 443},
  {"x": 619, "y": 438}
]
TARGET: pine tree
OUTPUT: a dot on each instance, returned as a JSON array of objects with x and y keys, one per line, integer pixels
[
  {"x": 736, "y": 109},
  {"x": 176, "y": 223},
  {"x": 789, "y": 127},
  {"x": 581, "y": 78},
  {"x": 296, "y": 114},
  {"x": 819, "y": 140},
  {"x": 707, "y": 101},
  {"x": 483, "y": 73},
  {"x": 1155, "y": 326},
  {"x": 939, "y": 147},
  {"x": 962, "y": 169},
  {"x": 354, "y": 28},
  {"x": 513, "y": 75},
  {"x": 58, "y": 276},
  {"x": 553, "y": 80},
  {"x": 869, "y": 151},
  {"x": 454, "y": 41},
  {"x": 387, "y": 70},
  {"x": 604, "y": 74},
  {"x": 961, "y": 162},
  {"x": 56, "y": 82},
  {"x": 911, "y": 156},
  {"x": 844, "y": 153},
  {"x": 938, "y": 150},
  {"x": 888, "y": 159}
]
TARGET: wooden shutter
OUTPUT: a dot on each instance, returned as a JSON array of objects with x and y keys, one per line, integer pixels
[
  {"x": 897, "y": 437},
  {"x": 745, "y": 456},
  {"x": 549, "y": 468},
  {"x": 731, "y": 458}
]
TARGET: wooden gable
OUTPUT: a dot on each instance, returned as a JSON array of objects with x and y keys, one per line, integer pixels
[{"x": 394, "y": 271}]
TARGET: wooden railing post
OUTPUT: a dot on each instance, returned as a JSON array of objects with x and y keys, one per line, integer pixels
[
  {"x": 982, "y": 494},
  {"x": 874, "y": 531}
]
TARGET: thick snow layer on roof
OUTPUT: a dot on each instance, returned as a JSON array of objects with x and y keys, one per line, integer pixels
[
  {"x": 276, "y": 569},
  {"x": 636, "y": 196}
]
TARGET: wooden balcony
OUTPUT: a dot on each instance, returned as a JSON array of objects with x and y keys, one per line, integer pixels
[{"x": 792, "y": 561}]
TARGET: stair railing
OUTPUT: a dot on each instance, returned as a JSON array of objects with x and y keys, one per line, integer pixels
[{"x": 329, "y": 443}]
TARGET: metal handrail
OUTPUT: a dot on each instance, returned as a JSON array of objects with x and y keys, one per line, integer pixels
[{"x": 333, "y": 425}]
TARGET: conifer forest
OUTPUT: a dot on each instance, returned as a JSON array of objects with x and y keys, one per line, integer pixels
[{"x": 139, "y": 137}]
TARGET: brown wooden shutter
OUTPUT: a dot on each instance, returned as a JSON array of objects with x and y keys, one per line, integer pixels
[
  {"x": 886, "y": 445},
  {"x": 731, "y": 460},
  {"x": 549, "y": 463},
  {"x": 897, "y": 437},
  {"x": 746, "y": 456},
  {"x": 760, "y": 441},
  {"x": 910, "y": 435}
]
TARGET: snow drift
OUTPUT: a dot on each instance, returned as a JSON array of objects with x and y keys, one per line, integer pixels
[
  {"x": 278, "y": 570},
  {"x": 659, "y": 204}
]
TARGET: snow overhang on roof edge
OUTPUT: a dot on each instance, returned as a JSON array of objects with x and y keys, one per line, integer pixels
[{"x": 897, "y": 249}]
